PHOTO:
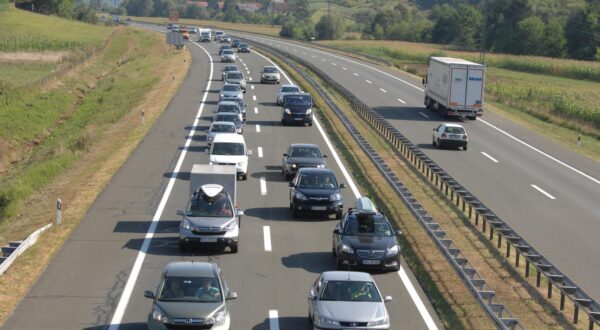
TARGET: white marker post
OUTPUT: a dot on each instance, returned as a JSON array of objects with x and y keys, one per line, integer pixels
[
  {"x": 579, "y": 141},
  {"x": 142, "y": 117},
  {"x": 58, "y": 211}
]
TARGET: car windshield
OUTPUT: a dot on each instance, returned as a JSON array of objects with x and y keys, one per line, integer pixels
[
  {"x": 305, "y": 152},
  {"x": 234, "y": 118},
  {"x": 232, "y": 88},
  {"x": 223, "y": 128},
  {"x": 317, "y": 181},
  {"x": 454, "y": 130},
  {"x": 297, "y": 100},
  {"x": 231, "y": 68},
  {"x": 350, "y": 291},
  {"x": 227, "y": 149},
  {"x": 270, "y": 69},
  {"x": 243, "y": 45},
  {"x": 190, "y": 289},
  {"x": 215, "y": 207},
  {"x": 369, "y": 226},
  {"x": 235, "y": 75},
  {"x": 228, "y": 108},
  {"x": 289, "y": 89},
  {"x": 228, "y": 52}
]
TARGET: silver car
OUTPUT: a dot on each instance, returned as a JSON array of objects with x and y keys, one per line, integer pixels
[
  {"x": 228, "y": 55},
  {"x": 229, "y": 106},
  {"x": 286, "y": 89},
  {"x": 236, "y": 77},
  {"x": 347, "y": 300},
  {"x": 191, "y": 294},
  {"x": 270, "y": 74},
  {"x": 231, "y": 90},
  {"x": 219, "y": 127},
  {"x": 228, "y": 68}
]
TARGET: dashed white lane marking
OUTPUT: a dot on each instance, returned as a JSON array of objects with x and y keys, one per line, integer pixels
[
  {"x": 356, "y": 74},
  {"x": 332, "y": 63},
  {"x": 542, "y": 191},
  {"x": 263, "y": 186},
  {"x": 273, "y": 319},
  {"x": 383, "y": 90},
  {"x": 323, "y": 60},
  {"x": 489, "y": 157},
  {"x": 257, "y": 128},
  {"x": 402, "y": 101},
  {"x": 253, "y": 97},
  {"x": 260, "y": 152},
  {"x": 313, "y": 56},
  {"x": 417, "y": 300},
  {"x": 424, "y": 115},
  {"x": 251, "y": 86},
  {"x": 344, "y": 69},
  {"x": 369, "y": 82},
  {"x": 248, "y": 71},
  {"x": 255, "y": 110},
  {"x": 267, "y": 235},
  {"x": 250, "y": 78}
]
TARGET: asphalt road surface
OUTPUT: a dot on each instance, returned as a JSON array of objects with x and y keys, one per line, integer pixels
[
  {"x": 131, "y": 231},
  {"x": 546, "y": 192}
]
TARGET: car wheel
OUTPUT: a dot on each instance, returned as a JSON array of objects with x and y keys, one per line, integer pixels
[
  {"x": 333, "y": 252},
  {"x": 338, "y": 214},
  {"x": 245, "y": 176},
  {"x": 234, "y": 247},
  {"x": 433, "y": 143},
  {"x": 338, "y": 264},
  {"x": 465, "y": 147},
  {"x": 183, "y": 247},
  {"x": 310, "y": 123},
  {"x": 295, "y": 213}
]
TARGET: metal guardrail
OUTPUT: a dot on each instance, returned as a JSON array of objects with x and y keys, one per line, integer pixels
[
  {"x": 476, "y": 283},
  {"x": 16, "y": 248},
  {"x": 474, "y": 209}
]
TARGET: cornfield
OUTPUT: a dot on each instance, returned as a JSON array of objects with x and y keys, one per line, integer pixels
[{"x": 13, "y": 44}]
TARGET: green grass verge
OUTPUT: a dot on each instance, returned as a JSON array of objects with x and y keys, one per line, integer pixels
[
  {"x": 66, "y": 121},
  {"x": 22, "y": 74}
]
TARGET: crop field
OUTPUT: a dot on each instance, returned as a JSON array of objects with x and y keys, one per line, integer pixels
[{"x": 21, "y": 74}]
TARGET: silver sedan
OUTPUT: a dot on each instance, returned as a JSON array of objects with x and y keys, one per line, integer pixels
[
  {"x": 284, "y": 90},
  {"x": 231, "y": 90},
  {"x": 347, "y": 300}
]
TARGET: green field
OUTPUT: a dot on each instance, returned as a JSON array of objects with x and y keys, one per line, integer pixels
[{"x": 22, "y": 74}]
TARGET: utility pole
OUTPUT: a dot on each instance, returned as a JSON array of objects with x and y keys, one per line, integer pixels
[
  {"x": 484, "y": 32},
  {"x": 272, "y": 13}
]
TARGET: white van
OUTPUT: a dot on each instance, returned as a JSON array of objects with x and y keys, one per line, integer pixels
[{"x": 230, "y": 149}]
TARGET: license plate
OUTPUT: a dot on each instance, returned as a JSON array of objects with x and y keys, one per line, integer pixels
[
  {"x": 371, "y": 262},
  {"x": 298, "y": 118},
  {"x": 318, "y": 208},
  {"x": 208, "y": 239},
  {"x": 455, "y": 137}
]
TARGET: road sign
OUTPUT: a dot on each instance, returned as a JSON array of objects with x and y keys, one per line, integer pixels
[{"x": 174, "y": 38}]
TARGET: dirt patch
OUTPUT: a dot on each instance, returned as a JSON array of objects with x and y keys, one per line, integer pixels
[{"x": 52, "y": 57}]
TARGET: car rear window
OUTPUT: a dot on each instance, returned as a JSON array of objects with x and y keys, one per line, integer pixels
[
  {"x": 454, "y": 130},
  {"x": 228, "y": 108},
  {"x": 235, "y": 75},
  {"x": 222, "y": 128},
  {"x": 297, "y": 100},
  {"x": 232, "y": 88},
  {"x": 289, "y": 89}
]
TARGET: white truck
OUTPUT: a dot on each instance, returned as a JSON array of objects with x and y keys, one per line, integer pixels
[
  {"x": 211, "y": 216},
  {"x": 454, "y": 87},
  {"x": 205, "y": 35}
]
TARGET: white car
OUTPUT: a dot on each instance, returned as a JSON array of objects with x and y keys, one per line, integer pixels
[
  {"x": 286, "y": 89},
  {"x": 228, "y": 55},
  {"x": 270, "y": 74},
  {"x": 450, "y": 135},
  {"x": 230, "y": 149}
]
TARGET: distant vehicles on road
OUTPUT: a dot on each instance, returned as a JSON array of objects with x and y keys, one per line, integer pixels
[
  {"x": 244, "y": 48},
  {"x": 450, "y": 135},
  {"x": 316, "y": 191},
  {"x": 297, "y": 109},
  {"x": 270, "y": 75},
  {"x": 301, "y": 155}
]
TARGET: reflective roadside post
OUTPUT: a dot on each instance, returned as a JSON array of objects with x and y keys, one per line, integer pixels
[
  {"x": 579, "y": 141},
  {"x": 58, "y": 211}
]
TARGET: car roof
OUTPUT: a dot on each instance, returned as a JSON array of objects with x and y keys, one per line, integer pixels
[
  {"x": 452, "y": 125},
  {"x": 190, "y": 269},
  {"x": 289, "y": 85},
  {"x": 347, "y": 276},
  {"x": 229, "y": 123},
  {"x": 270, "y": 66},
  {"x": 238, "y": 71},
  {"x": 315, "y": 170},
  {"x": 229, "y": 137},
  {"x": 304, "y": 145},
  {"x": 228, "y": 103}
]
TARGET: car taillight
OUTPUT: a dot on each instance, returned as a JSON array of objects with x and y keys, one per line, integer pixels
[{"x": 443, "y": 135}]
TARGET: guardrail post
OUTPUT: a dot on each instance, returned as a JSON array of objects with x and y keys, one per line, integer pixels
[
  {"x": 507, "y": 249},
  {"x": 484, "y": 224},
  {"x": 492, "y": 233},
  {"x": 562, "y": 300},
  {"x": 538, "y": 280},
  {"x": 526, "y": 268},
  {"x": 549, "y": 289},
  {"x": 576, "y": 314},
  {"x": 499, "y": 241},
  {"x": 517, "y": 257}
]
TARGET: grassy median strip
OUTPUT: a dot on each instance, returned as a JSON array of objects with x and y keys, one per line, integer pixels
[{"x": 80, "y": 156}]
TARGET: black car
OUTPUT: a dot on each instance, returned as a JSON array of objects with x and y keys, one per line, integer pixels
[
  {"x": 297, "y": 109},
  {"x": 299, "y": 156},
  {"x": 366, "y": 239},
  {"x": 240, "y": 102},
  {"x": 222, "y": 48},
  {"x": 236, "y": 43},
  {"x": 316, "y": 190},
  {"x": 244, "y": 48}
]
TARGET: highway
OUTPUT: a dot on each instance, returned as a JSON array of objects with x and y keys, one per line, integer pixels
[
  {"x": 546, "y": 192},
  {"x": 97, "y": 279}
]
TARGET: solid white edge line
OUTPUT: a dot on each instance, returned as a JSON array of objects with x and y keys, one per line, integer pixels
[
  {"x": 543, "y": 191},
  {"x": 263, "y": 186},
  {"x": 417, "y": 300},
  {"x": 407, "y": 283},
  {"x": 490, "y": 157},
  {"x": 402, "y": 101},
  {"x": 257, "y": 128},
  {"x": 542, "y": 153},
  {"x": 260, "y": 152},
  {"x": 139, "y": 261},
  {"x": 267, "y": 237},
  {"x": 273, "y": 319},
  {"x": 423, "y": 114},
  {"x": 255, "y": 110}
]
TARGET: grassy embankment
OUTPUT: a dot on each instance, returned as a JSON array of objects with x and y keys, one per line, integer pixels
[
  {"x": 67, "y": 139},
  {"x": 555, "y": 97}
]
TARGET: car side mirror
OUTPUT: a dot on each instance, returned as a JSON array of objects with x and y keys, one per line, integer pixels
[
  {"x": 434, "y": 129},
  {"x": 423, "y": 81},
  {"x": 311, "y": 296},
  {"x": 284, "y": 155},
  {"x": 291, "y": 184},
  {"x": 342, "y": 185},
  {"x": 180, "y": 212},
  {"x": 387, "y": 299},
  {"x": 231, "y": 295},
  {"x": 324, "y": 156},
  {"x": 149, "y": 294},
  {"x": 240, "y": 213},
  {"x": 249, "y": 152},
  {"x": 336, "y": 231}
]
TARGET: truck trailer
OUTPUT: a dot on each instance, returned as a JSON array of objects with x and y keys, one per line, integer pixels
[{"x": 454, "y": 87}]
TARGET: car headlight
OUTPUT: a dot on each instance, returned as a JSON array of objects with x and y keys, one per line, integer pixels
[
  {"x": 240, "y": 164},
  {"x": 186, "y": 224},
  {"x": 158, "y": 316},
  {"x": 211, "y": 163},
  {"x": 321, "y": 166},
  {"x": 383, "y": 321},
  {"x": 300, "y": 196},
  {"x": 217, "y": 319},
  {"x": 393, "y": 250},
  {"x": 239, "y": 129},
  {"x": 288, "y": 112},
  {"x": 309, "y": 111},
  {"x": 243, "y": 83},
  {"x": 294, "y": 165},
  {"x": 347, "y": 249},
  {"x": 327, "y": 321},
  {"x": 231, "y": 226},
  {"x": 335, "y": 197},
  {"x": 222, "y": 95},
  {"x": 210, "y": 138}
]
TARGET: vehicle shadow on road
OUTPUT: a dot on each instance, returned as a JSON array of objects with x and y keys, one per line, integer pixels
[
  {"x": 194, "y": 148},
  {"x": 141, "y": 227},
  {"x": 287, "y": 323},
  {"x": 122, "y": 326},
  {"x": 264, "y": 122},
  {"x": 269, "y": 104},
  {"x": 199, "y": 137},
  {"x": 270, "y": 176},
  {"x": 314, "y": 262},
  {"x": 426, "y": 146},
  {"x": 407, "y": 113},
  {"x": 199, "y": 128},
  {"x": 185, "y": 176},
  {"x": 169, "y": 246}
]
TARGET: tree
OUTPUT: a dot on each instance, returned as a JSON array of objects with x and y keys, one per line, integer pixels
[
  {"x": 329, "y": 27},
  {"x": 140, "y": 7},
  {"x": 459, "y": 26},
  {"x": 300, "y": 9},
  {"x": 554, "y": 38},
  {"x": 529, "y": 36},
  {"x": 503, "y": 16},
  {"x": 85, "y": 13},
  {"x": 580, "y": 32}
]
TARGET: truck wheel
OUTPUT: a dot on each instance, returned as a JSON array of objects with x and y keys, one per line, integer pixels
[
  {"x": 338, "y": 264},
  {"x": 333, "y": 252},
  {"x": 433, "y": 143},
  {"x": 234, "y": 247}
]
